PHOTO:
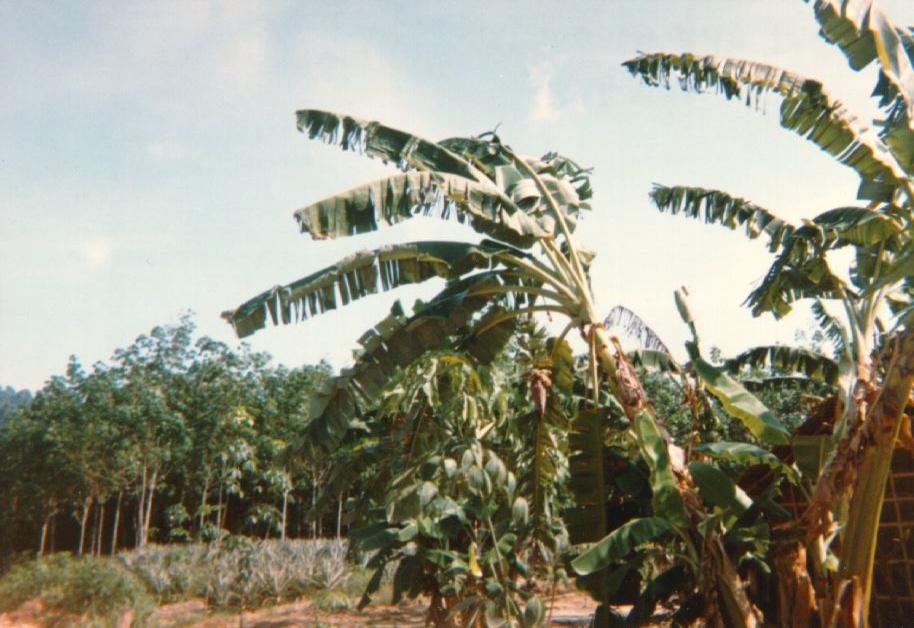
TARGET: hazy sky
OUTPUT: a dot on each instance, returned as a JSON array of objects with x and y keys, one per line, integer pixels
[{"x": 149, "y": 161}]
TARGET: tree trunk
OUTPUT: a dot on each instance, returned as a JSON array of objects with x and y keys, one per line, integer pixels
[
  {"x": 879, "y": 435},
  {"x": 87, "y": 504},
  {"x": 339, "y": 520},
  {"x": 93, "y": 533},
  {"x": 219, "y": 510},
  {"x": 203, "y": 498},
  {"x": 141, "y": 504},
  {"x": 285, "y": 512},
  {"x": 148, "y": 507},
  {"x": 314, "y": 516},
  {"x": 117, "y": 522},
  {"x": 100, "y": 528},
  {"x": 44, "y": 535}
]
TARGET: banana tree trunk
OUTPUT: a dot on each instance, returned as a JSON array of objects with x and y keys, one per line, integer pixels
[
  {"x": 726, "y": 602},
  {"x": 858, "y": 545}
]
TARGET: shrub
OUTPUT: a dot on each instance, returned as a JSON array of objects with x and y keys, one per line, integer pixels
[
  {"x": 97, "y": 588},
  {"x": 240, "y": 572},
  {"x": 173, "y": 573}
]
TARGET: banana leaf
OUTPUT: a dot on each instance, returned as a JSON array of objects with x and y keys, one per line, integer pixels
[
  {"x": 362, "y": 274},
  {"x": 813, "y": 365},
  {"x": 396, "y": 342},
  {"x": 619, "y": 543},
  {"x": 716, "y": 207},
  {"x": 391, "y": 200},
  {"x": 806, "y": 109}
]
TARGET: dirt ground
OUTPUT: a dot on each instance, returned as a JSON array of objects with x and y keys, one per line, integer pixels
[{"x": 567, "y": 608}]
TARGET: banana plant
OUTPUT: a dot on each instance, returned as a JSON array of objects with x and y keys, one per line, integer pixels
[
  {"x": 726, "y": 525},
  {"x": 875, "y": 297},
  {"x": 529, "y": 263}
]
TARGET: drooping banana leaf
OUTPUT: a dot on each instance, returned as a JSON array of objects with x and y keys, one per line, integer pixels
[
  {"x": 800, "y": 271},
  {"x": 865, "y": 34},
  {"x": 744, "y": 453},
  {"x": 806, "y": 109},
  {"x": 719, "y": 489},
  {"x": 666, "y": 500},
  {"x": 476, "y": 172},
  {"x": 619, "y": 543},
  {"x": 385, "y": 143},
  {"x": 545, "y": 477},
  {"x": 359, "y": 275},
  {"x": 740, "y": 403},
  {"x": 621, "y": 316},
  {"x": 587, "y": 475},
  {"x": 855, "y": 226},
  {"x": 736, "y": 400},
  {"x": 813, "y": 365},
  {"x": 658, "y": 361},
  {"x": 396, "y": 342},
  {"x": 716, "y": 207},
  {"x": 391, "y": 200}
]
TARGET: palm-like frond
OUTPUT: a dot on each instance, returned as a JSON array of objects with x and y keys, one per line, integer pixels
[
  {"x": 800, "y": 271},
  {"x": 378, "y": 141},
  {"x": 714, "y": 206},
  {"x": 857, "y": 226},
  {"x": 806, "y": 109},
  {"x": 360, "y": 275},
  {"x": 864, "y": 33},
  {"x": 833, "y": 329},
  {"x": 391, "y": 200},
  {"x": 787, "y": 360},
  {"x": 478, "y": 177},
  {"x": 621, "y": 316}
]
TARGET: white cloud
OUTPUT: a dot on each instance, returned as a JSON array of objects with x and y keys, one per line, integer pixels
[
  {"x": 96, "y": 252},
  {"x": 546, "y": 109}
]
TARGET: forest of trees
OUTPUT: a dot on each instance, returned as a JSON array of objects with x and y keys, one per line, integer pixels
[{"x": 178, "y": 437}]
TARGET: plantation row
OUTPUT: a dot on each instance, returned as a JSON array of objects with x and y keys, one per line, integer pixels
[
  {"x": 236, "y": 573},
  {"x": 177, "y": 438}
]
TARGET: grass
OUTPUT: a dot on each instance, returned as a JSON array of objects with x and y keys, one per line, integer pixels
[{"x": 96, "y": 589}]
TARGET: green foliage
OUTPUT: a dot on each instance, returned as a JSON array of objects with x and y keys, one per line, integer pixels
[
  {"x": 90, "y": 587},
  {"x": 462, "y": 479},
  {"x": 239, "y": 572},
  {"x": 179, "y": 438},
  {"x": 11, "y": 400},
  {"x": 619, "y": 543},
  {"x": 875, "y": 297}
]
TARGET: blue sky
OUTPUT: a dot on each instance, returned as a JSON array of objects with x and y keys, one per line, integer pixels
[{"x": 149, "y": 162}]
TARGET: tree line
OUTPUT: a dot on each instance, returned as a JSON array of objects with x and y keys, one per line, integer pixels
[{"x": 177, "y": 437}]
